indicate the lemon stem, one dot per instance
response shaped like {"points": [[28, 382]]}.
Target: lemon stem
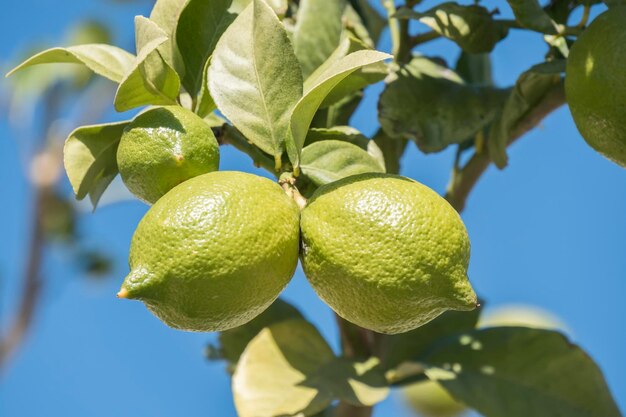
{"points": [[288, 182]]}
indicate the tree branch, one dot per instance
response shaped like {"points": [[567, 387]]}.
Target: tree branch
{"points": [[463, 181]]}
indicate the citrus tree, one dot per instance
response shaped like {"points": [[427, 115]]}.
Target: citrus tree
{"points": [[279, 81]]}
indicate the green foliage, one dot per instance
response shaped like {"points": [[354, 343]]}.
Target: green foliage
{"points": [[531, 16], [471, 27], [516, 372], [90, 158]]}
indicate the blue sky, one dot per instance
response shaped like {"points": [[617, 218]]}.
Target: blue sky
{"points": [[549, 230]]}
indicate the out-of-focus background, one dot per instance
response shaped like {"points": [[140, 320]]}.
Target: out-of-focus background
{"points": [[549, 230]]}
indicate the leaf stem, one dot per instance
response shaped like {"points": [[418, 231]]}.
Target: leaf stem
{"points": [[424, 37], [463, 181]]}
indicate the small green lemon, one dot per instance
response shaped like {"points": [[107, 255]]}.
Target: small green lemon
{"points": [[386, 252], [214, 252], [430, 399], [162, 148], [595, 84]]}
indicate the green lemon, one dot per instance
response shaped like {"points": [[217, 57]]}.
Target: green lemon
{"points": [[430, 399], [214, 252], [385, 252], [595, 84], [163, 147]]}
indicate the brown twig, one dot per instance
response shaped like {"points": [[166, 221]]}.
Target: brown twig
{"points": [[463, 182]]}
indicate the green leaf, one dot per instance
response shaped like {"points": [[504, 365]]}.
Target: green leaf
{"points": [[520, 372], [429, 103], [331, 160], [234, 341], [105, 60], [373, 21], [199, 28], [152, 80], [357, 383], [475, 68], [205, 105], [90, 160], [531, 15], [408, 347], [350, 135], [271, 377], [317, 32], [258, 90], [317, 89], [471, 27], [165, 14], [529, 90], [392, 150], [615, 3]]}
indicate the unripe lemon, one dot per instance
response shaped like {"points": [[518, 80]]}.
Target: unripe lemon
{"points": [[595, 84], [430, 399], [385, 252], [162, 148], [214, 252]]}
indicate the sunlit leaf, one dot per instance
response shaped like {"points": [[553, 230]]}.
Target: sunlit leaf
{"points": [[521, 372], [255, 78], [531, 15], [90, 160], [205, 104], [316, 91], [165, 14], [108, 61], [152, 80], [475, 68], [317, 32], [471, 27], [200, 26]]}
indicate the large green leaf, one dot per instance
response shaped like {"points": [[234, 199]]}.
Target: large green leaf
{"points": [[475, 68], [200, 26], [529, 90], [152, 80], [105, 60], [350, 135], [317, 32], [270, 379], [521, 372], [234, 341], [531, 15], [405, 348], [90, 160], [315, 92], [327, 161], [205, 104], [429, 103], [165, 14], [255, 78], [471, 27]]}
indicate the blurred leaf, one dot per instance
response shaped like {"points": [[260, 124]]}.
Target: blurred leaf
{"points": [[264, 55], [205, 104], [556, 66], [95, 264], [200, 26], [317, 32], [520, 372], [531, 15], [90, 158], [88, 31], [279, 6], [529, 90], [475, 68], [471, 27], [327, 161], [234, 341], [152, 80], [337, 114], [57, 218], [270, 379], [350, 135], [431, 104], [409, 346], [166, 14], [614, 3], [370, 19], [105, 60], [317, 89]]}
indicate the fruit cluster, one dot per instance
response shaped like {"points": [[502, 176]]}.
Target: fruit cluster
{"points": [[214, 251]]}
